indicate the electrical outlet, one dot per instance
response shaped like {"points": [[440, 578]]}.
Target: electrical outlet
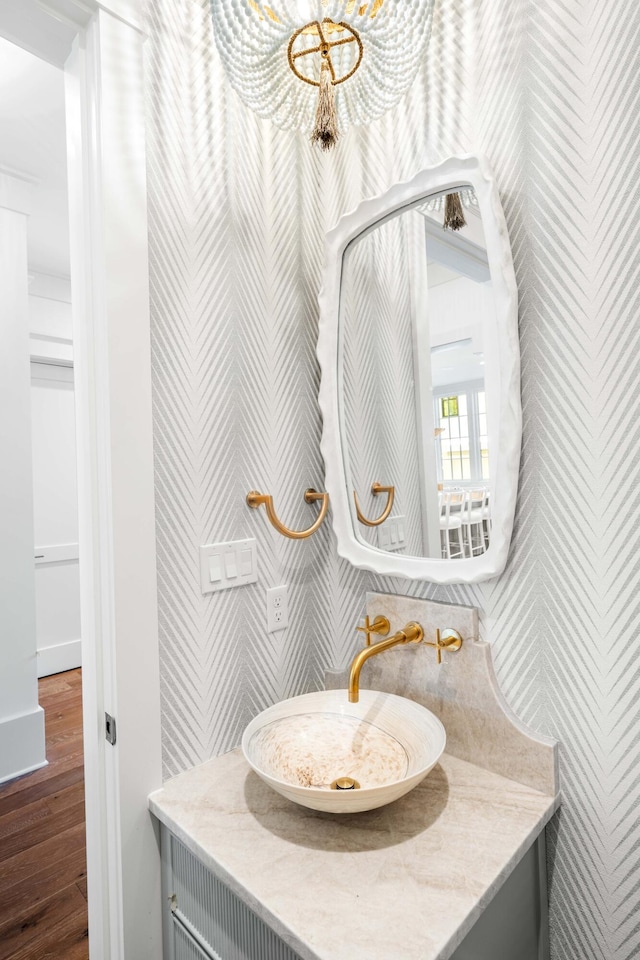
{"points": [[277, 609]]}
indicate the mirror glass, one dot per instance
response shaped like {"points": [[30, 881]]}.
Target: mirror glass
{"points": [[420, 389], [419, 412]]}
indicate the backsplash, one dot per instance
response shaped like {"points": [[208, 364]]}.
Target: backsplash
{"points": [[238, 211], [461, 690]]}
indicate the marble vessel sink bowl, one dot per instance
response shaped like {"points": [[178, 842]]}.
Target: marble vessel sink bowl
{"points": [[311, 749]]}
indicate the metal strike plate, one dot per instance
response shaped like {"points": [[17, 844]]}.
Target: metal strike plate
{"points": [[110, 729]]}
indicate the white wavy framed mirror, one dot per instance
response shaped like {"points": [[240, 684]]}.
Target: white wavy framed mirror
{"points": [[420, 388]]}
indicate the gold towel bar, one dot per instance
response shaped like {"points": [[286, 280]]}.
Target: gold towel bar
{"points": [[376, 489], [255, 500]]}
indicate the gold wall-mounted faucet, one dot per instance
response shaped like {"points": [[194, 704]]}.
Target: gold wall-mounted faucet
{"points": [[380, 626], [447, 640], [412, 632]]}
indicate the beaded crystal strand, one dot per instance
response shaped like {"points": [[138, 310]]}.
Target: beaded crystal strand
{"points": [[252, 38]]}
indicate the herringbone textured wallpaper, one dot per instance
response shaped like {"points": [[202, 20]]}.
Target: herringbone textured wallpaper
{"points": [[549, 92], [381, 428]]}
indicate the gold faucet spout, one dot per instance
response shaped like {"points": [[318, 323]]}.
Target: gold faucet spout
{"points": [[411, 633]]}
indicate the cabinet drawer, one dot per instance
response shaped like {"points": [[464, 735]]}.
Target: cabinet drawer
{"points": [[210, 916]]}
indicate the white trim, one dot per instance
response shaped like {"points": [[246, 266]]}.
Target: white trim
{"points": [[74, 12], [57, 351], [48, 28], [19, 175], [47, 286], [21, 773], [456, 253], [59, 658], [100, 46], [57, 553], [111, 335], [504, 371], [21, 744]]}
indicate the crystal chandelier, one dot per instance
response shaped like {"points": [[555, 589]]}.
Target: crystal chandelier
{"points": [[321, 66]]}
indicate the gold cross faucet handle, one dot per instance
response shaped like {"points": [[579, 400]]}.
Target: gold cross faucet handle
{"points": [[447, 640], [380, 626]]}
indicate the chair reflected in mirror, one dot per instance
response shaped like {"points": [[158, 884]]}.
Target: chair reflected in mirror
{"points": [[451, 535], [465, 522], [473, 522]]}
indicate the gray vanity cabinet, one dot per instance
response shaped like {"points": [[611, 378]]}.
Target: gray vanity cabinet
{"points": [[204, 920], [515, 923]]}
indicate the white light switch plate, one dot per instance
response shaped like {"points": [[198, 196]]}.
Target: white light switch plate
{"points": [[225, 565], [391, 534]]}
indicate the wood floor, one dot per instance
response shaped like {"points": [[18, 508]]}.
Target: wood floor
{"points": [[43, 887]]}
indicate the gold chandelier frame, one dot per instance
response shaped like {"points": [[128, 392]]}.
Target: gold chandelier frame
{"points": [[324, 48]]}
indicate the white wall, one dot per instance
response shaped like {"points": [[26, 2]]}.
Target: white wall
{"points": [[22, 745], [237, 215], [458, 310], [48, 317], [55, 487], [32, 120], [55, 518]]}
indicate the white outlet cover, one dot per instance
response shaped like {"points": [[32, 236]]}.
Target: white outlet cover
{"points": [[277, 609]]}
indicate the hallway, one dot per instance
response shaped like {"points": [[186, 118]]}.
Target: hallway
{"points": [[43, 906]]}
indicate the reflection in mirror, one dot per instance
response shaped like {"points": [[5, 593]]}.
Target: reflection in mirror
{"points": [[417, 321]]}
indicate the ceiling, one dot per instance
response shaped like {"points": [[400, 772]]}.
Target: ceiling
{"points": [[452, 255], [33, 145], [456, 363]]}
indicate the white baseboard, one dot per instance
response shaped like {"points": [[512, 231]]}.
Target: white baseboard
{"points": [[64, 656], [22, 745]]}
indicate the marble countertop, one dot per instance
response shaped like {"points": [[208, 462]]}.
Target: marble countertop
{"points": [[417, 872]]}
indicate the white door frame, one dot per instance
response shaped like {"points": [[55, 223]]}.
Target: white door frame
{"points": [[100, 46]]}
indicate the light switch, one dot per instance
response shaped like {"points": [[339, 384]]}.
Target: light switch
{"points": [[391, 535], [224, 565], [215, 571]]}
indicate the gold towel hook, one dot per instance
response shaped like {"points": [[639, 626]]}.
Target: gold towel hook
{"points": [[255, 500], [376, 489]]}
